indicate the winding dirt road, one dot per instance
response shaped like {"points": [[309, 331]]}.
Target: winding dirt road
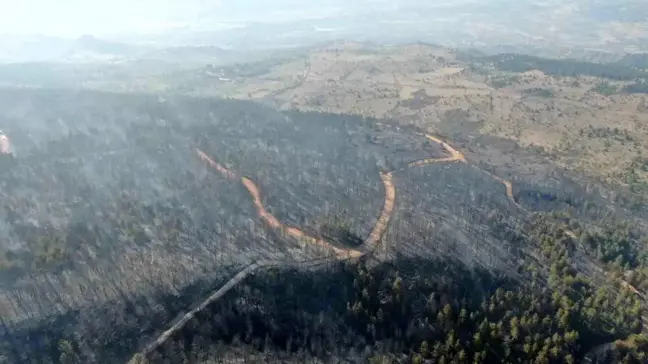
{"points": [[506, 183], [457, 156], [340, 254]]}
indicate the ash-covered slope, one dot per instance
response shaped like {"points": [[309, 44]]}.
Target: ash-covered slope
{"points": [[106, 196]]}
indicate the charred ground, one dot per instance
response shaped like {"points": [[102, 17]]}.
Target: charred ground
{"points": [[112, 227]]}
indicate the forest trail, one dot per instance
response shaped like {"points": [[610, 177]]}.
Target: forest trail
{"points": [[457, 156], [386, 214], [270, 219], [454, 154], [373, 239], [274, 223], [341, 254], [508, 184]]}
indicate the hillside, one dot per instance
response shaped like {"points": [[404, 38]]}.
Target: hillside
{"points": [[134, 207], [410, 204], [589, 119]]}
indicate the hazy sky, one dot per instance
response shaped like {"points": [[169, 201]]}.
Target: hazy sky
{"points": [[71, 18], [77, 17]]}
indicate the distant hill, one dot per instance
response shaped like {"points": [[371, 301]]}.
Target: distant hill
{"points": [[37, 48], [90, 49], [186, 54], [638, 60], [88, 45], [31, 48], [626, 69]]}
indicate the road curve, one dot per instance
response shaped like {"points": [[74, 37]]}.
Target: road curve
{"points": [[508, 184], [273, 222], [340, 254], [457, 156]]}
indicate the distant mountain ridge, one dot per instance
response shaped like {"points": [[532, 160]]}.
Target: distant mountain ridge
{"points": [[88, 43], [37, 48], [186, 54], [88, 49]]}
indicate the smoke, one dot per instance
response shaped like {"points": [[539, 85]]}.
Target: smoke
{"points": [[5, 145]]}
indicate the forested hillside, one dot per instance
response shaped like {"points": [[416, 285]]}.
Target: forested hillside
{"points": [[629, 68], [336, 237]]}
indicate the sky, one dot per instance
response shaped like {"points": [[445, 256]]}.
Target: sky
{"points": [[73, 18]]}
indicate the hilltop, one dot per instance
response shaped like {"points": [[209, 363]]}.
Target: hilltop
{"points": [[588, 119]]}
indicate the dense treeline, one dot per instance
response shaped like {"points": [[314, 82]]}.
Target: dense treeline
{"points": [[409, 310], [416, 310], [637, 88], [565, 67], [637, 60], [619, 135], [539, 92]]}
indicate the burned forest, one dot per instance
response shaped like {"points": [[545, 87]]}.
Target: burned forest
{"points": [[173, 229]]}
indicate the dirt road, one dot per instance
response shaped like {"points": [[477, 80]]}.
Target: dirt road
{"points": [[457, 156], [340, 253], [508, 184]]}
